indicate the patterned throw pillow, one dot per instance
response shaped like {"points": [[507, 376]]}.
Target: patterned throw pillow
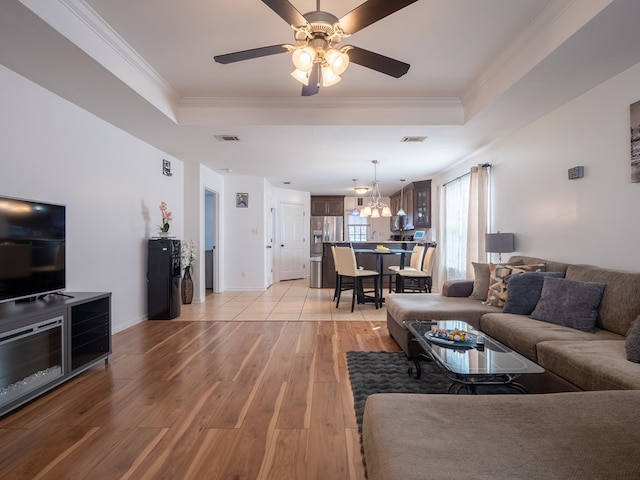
{"points": [[632, 342], [497, 295]]}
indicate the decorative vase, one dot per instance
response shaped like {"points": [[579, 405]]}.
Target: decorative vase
{"points": [[186, 287], [163, 234]]}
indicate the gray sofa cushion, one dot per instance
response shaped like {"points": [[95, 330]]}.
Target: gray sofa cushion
{"points": [[601, 365], [433, 306], [569, 302], [524, 291], [523, 333], [621, 300], [585, 435], [632, 342]]}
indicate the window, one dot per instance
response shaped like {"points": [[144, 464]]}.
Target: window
{"points": [[456, 213], [358, 228]]}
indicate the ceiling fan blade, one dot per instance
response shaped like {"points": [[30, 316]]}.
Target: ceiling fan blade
{"points": [[314, 82], [249, 54], [375, 61], [370, 12], [286, 11]]}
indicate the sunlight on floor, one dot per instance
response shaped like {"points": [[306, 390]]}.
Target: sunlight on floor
{"points": [[291, 300]]}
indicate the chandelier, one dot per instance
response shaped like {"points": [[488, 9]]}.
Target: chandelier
{"points": [[375, 208], [317, 43]]}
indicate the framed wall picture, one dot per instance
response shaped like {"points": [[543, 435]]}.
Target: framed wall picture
{"points": [[242, 200]]}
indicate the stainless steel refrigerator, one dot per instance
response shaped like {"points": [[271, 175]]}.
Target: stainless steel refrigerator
{"points": [[325, 229]]}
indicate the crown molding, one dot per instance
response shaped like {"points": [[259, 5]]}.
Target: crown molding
{"points": [[551, 28], [79, 23], [321, 111]]}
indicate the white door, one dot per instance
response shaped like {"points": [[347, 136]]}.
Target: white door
{"points": [[293, 247], [269, 222]]}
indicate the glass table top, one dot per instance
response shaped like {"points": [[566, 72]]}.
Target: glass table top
{"points": [[470, 358]]}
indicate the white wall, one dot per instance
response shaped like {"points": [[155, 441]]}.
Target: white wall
{"points": [[111, 183], [592, 220]]}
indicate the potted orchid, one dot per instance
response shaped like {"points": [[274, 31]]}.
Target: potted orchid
{"points": [[166, 218]]}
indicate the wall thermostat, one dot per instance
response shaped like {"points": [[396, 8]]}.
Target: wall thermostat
{"points": [[576, 172]]}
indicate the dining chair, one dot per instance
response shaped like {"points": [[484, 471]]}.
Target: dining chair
{"points": [[415, 263], [419, 280], [348, 270]]}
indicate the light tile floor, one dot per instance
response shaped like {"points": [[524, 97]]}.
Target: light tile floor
{"points": [[291, 300]]}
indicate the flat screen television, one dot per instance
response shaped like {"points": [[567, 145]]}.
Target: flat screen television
{"points": [[32, 248]]}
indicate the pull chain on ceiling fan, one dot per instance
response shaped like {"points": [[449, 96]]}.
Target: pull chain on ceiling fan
{"points": [[317, 56]]}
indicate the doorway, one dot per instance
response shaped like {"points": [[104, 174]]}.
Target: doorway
{"points": [[293, 250], [211, 261]]}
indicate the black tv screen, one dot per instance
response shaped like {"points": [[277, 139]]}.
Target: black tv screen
{"points": [[32, 248]]}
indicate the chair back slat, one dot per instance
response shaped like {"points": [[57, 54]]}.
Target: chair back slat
{"points": [[346, 261], [429, 260], [417, 257]]}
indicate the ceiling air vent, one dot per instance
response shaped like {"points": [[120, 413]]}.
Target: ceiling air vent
{"points": [[227, 138], [413, 139]]}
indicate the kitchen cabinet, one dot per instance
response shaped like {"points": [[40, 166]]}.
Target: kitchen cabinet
{"points": [[422, 204], [327, 205], [416, 204]]}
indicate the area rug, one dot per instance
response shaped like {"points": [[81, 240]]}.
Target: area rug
{"points": [[388, 372]]}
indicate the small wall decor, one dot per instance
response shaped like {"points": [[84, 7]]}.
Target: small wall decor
{"points": [[242, 200], [166, 168], [635, 142]]}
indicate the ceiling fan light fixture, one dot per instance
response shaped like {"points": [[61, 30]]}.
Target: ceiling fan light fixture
{"points": [[328, 77], [303, 58], [302, 77], [337, 60]]}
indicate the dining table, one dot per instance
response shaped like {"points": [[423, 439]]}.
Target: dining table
{"points": [[380, 255]]}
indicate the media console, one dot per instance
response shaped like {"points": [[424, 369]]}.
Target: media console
{"points": [[47, 341]]}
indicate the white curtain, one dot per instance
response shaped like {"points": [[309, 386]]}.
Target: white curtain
{"points": [[477, 216], [455, 221], [464, 209]]}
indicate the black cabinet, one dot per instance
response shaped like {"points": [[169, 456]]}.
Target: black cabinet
{"points": [[47, 341], [90, 332], [163, 279]]}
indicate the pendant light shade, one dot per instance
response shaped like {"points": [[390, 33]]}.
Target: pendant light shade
{"points": [[401, 212], [355, 212]]}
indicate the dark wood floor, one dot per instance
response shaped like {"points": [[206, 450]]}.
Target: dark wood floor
{"points": [[201, 400]]}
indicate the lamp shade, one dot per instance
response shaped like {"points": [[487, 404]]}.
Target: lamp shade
{"points": [[303, 58], [499, 242]]}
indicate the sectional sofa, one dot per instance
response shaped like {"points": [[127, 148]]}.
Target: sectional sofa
{"points": [[576, 329]]}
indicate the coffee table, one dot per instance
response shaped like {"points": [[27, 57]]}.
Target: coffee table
{"points": [[468, 365]]}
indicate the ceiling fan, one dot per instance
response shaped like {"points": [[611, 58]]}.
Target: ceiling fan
{"points": [[317, 56]]}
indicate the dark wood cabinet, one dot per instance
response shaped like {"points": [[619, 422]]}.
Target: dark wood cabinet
{"points": [[422, 204], [416, 203], [327, 205]]}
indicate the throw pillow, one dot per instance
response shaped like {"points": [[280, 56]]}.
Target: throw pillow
{"points": [[524, 291], [481, 277], [482, 273], [569, 302], [498, 293], [632, 342]]}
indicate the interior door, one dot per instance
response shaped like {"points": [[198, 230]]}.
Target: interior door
{"points": [[293, 247]]}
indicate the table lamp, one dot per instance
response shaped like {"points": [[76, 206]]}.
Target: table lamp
{"points": [[499, 243]]}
